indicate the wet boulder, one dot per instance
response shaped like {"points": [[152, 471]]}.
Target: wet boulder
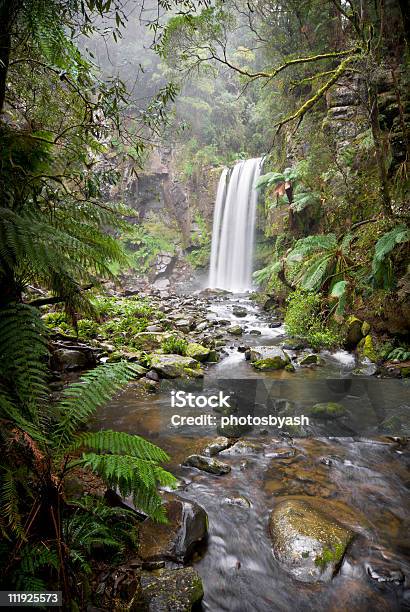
{"points": [[172, 366], [275, 353], [150, 340], [239, 311], [327, 411], [207, 464], [175, 540], [354, 332], [176, 590], [311, 359], [217, 445], [275, 359], [197, 351], [235, 330], [308, 543], [73, 358]]}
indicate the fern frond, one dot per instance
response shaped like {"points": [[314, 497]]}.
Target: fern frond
{"points": [[131, 476], [23, 351], [81, 399], [9, 508], [315, 273], [386, 244], [118, 442], [311, 244]]}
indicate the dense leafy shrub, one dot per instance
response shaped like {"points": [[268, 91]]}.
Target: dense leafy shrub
{"points": [[305, 320], [174, 346]]}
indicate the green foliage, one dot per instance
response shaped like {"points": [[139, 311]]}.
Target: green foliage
{"points": [[382, 269], [324, 261], [199, 255], [399, 354], [42, 442], [174, 345], [304, 319]]}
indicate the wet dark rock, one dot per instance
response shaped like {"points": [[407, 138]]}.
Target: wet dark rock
{"points": [[213, 356], [239, 311], [308, 543], [242, 447], [354, 332], [293, 345], [379, 573], [207, 464], [274, 324], [242, 349], [217, 445], [175, 540], [255, 332], [152, 375], [73, 358], [168, 590], [311, 359]]}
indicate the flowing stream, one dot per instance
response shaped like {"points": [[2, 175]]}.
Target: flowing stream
{"points": [[362, 481], [358, 480]]}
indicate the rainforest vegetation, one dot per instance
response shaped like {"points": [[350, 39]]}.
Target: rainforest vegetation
{"points": [[89, 91]]}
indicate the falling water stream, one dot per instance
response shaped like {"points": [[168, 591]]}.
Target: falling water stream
{"points": [[233, 227]]}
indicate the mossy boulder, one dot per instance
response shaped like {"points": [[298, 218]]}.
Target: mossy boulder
{"points": [[311, 359], [353, 332], [173, 366], [235, 330], [327, 411], [306, 541], [269, 358], [366, 348], [149, 341], [207, 464], [239, 311], [197, 351], [178, 590]]}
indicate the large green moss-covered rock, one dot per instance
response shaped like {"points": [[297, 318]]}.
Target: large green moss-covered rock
{"points": [[197, 351], [307, 542], [327, 410], [166, 590], [366, 348], [269, 358], [149, 341], [173, 366], [353, 332]]}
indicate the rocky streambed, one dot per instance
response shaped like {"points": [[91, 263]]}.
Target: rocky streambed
{"points": [[263, 519]]}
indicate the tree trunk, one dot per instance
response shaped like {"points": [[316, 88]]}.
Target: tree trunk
{"points": [[380, 152], [8, 12]]}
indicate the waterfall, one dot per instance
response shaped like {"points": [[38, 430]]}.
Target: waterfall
{"points": [[233, 227]]}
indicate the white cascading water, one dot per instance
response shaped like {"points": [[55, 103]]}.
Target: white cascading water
{"points": [[233, 227]]}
